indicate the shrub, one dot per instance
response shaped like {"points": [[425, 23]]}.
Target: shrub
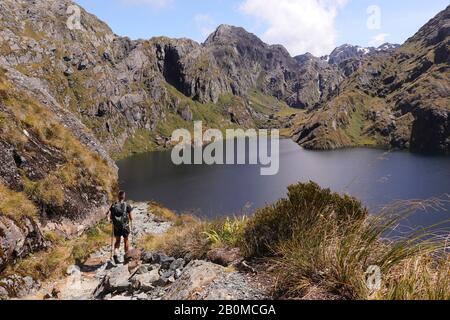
{"points": [[315, 239], [307, 204]]}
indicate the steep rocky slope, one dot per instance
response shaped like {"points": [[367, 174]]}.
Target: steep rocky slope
{"points": [[52, 161], [250, 63], [117, 87], [397, 99]]}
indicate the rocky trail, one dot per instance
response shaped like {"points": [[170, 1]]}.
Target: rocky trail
{"points": [[150, 275]]}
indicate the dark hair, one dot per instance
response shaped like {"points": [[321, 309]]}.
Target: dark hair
{"points": [[121, 195]]}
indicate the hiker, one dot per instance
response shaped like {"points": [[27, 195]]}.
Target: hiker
{"points": [[120, 215]]}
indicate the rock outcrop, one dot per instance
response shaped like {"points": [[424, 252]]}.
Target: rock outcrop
{"points": [[18, 238], [348, 52]]}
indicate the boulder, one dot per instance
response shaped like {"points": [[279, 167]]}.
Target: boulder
{"points": [[3, 293], [18, 238], [178, 273], [196, 276], [143, 269], [147, 257], [142, 296], [73, 270], [146, 281], [166, 262], [16, 286], [132, 255], [177, 264], [169, 273], [116, 282], [225, 256]]}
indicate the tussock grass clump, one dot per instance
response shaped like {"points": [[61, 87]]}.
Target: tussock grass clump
{"points": [[306, 205], [47, 190], [184, 237], [191, 235], [93, 239], [15, 204], [163, 213], [228, 232], [316, 239]]}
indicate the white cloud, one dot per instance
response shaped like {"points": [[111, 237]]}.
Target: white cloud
{"points": [[300, 25], [152, 3], [205, 24], [378, 39]]}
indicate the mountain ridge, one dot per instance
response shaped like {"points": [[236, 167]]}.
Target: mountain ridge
{"points": [[397, 99]]}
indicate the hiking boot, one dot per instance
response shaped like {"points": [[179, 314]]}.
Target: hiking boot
{"points": [[116, 259]]}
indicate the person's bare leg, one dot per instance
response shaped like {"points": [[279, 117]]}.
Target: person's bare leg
{"points": [[116, 245], [125, 244]]}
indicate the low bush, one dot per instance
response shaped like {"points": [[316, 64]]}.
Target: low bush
{"points": [[228, 232], [317, 239], [307, 205]]}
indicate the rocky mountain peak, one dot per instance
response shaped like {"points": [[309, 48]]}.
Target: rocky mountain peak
{"points": [[305, 57], [346, 52], [388, 47], [227, 35]]}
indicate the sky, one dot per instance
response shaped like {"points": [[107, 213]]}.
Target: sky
{"points": [[315, 26]]}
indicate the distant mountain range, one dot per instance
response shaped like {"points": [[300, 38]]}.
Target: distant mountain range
{"points": [[394, 98]]}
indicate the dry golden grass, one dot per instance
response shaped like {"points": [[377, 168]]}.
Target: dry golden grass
{"points": [[311, 244], [192, 235], [184, 237], [52, 263], [82, 166], [318, 240], [48, 190], [421, 277], [15, 204], [162, 213]]}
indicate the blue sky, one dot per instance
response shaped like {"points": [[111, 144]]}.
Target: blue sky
{"points": [[315, 26]]}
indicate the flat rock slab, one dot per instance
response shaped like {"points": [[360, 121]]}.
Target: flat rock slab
{"points": [[196, 276]]}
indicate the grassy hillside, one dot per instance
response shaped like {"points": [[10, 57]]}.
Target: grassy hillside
{"points": [[50, 166]]}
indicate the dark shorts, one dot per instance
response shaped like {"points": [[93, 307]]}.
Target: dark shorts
{"points": [[121, 232]]}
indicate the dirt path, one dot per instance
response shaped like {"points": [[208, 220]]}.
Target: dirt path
{"points": [[81, 282], [156, 276]]}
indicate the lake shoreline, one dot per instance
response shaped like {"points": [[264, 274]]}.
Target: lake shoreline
{"points": [[377, 177]]}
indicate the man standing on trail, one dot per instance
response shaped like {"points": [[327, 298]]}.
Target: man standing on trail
{"points": [[120, 214]]}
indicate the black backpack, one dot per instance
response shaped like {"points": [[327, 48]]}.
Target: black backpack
{"points": [[119, 215]]}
